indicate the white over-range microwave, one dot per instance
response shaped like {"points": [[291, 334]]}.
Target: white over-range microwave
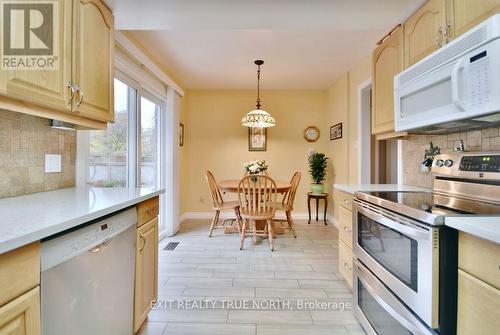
{"points": [[455, 88]]}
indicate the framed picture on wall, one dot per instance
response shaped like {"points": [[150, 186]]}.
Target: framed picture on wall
{"points": [[181, 134], [257, 139], [336, 132]]}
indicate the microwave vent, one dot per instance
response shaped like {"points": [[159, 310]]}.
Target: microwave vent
{"points": [[445, 55]]}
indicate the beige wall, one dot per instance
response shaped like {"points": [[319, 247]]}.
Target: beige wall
{"points": [[342, 106], [215, 140], [24, 141]]}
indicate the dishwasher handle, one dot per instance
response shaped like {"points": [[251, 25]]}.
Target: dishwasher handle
{"points": [[101, 246]]}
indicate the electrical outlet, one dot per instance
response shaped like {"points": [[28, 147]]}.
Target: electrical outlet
{"points": [[52, 163]]}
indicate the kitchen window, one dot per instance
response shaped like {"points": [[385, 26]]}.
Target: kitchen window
{"points": [[127, 153]]}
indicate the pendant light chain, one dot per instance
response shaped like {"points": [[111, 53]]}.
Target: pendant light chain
{"points": [[258, 87]]}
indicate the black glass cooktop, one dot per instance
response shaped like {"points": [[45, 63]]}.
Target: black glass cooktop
{"points": [[437, 204]]}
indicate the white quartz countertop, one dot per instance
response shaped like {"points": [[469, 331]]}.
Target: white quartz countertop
{"points": [[353, 188], [29, 218], [487, 227]]}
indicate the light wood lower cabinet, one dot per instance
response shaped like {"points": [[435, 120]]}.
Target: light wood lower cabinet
{"points": [[345, 262], [478, 306], [345, 226], [146, 271], [21, 316], [480, 258], [20, 271], [343, 208]]}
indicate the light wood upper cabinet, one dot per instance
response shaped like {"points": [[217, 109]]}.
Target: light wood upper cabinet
{"points": [[45, 86], [79, 89], [425, 31], [387, 62], [22, 315], [469, 13], [93, 60], [146, 271]]}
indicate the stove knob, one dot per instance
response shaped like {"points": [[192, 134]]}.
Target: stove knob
{"points": [[448, 163], [439, 163]]}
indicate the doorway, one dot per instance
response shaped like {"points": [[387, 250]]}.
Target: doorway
{"points": [[378, 161], [365, 138]]}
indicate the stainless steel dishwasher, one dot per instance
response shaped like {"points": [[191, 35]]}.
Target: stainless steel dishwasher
{"points": [[87, 280]]}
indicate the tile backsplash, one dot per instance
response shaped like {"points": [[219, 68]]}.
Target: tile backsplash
{"points": [[414, 146], [24, 141]]}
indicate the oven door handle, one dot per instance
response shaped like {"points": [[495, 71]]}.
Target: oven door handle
{"points": [[415, 327], [405, 228]]}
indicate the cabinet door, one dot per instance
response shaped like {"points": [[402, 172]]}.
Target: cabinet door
{"points": [[424, 31], [44, 85], [478, 306], [387, 62], [93, 60], [345, 262], [22, 315], [468, 13], [345, 226], [146, 271]]}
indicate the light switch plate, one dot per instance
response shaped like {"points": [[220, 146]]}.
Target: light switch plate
{"points": [[52, 163]]}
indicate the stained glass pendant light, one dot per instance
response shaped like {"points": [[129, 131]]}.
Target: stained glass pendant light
{"points": [[258, 118]]}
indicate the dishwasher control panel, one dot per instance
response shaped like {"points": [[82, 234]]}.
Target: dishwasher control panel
{"points": [[61, 248], [99, 232]]}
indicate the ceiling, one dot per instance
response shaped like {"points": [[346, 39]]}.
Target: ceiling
{"points": [[211, 44]]}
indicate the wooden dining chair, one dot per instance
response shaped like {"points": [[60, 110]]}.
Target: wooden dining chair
{"points": [[257, 198], [219, 205], [287, 204]]}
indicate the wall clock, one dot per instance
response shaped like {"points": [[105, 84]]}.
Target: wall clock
{"points": [[311, 134]]}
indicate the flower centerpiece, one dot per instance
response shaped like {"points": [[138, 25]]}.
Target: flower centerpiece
{"points": [[255, 167]]}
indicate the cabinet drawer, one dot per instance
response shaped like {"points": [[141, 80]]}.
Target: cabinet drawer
{"points": [[478, 306], [345, 262], [21, 316], [344, 199], [147, 210], [20, 271], [480, 258], [345, 226]]}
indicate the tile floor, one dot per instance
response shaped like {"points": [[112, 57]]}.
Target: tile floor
{"points": [[208, 286]]}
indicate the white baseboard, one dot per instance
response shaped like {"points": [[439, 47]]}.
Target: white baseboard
{"points": [[228, 215]]}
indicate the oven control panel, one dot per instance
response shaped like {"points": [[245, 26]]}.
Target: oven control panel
{"points": [[486, 163], [468, 165]]}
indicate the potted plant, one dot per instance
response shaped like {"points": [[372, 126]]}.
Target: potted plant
{"points": [[317, 169]]}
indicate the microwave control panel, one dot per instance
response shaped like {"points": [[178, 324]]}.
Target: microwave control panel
{"points": [[483, 163], [479, 86]]}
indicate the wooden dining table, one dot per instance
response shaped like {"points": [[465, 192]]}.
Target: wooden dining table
{"points": [[231, 186]]}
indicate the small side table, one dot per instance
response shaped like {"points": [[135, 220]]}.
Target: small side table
{"points": [[323, 196]]}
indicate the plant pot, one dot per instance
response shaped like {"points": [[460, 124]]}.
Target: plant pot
{"points": [[317, 188]]}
